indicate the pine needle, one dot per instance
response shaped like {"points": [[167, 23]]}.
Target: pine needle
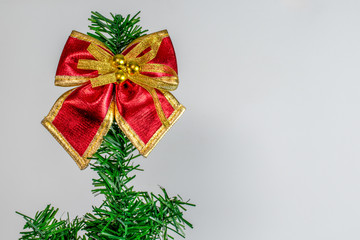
{"points": [[116, 32]]}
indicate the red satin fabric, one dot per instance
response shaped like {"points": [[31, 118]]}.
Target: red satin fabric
{"points": [[136, 106], [166, 54], [83, 111], [74, 50]]}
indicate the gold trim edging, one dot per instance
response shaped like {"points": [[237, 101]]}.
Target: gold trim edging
{"points": [[143, 148], [81, 161]]}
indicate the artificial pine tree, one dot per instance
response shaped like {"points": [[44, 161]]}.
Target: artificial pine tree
{"points": [[125, 213]]}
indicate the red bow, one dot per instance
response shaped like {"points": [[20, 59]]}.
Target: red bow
{"points": [[132, 87]]}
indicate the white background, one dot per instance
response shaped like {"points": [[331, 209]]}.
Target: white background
{"points": [[268, 148]]}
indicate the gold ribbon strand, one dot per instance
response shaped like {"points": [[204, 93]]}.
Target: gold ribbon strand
{"points": [[112, 69]]}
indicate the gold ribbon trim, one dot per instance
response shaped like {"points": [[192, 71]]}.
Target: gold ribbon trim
{"points": [[107, 72]]}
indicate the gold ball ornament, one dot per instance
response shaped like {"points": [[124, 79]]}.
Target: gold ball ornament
{"points": [[120, 76], [118, 61], [133, 67]]}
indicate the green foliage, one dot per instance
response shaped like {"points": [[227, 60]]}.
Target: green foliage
{"points": [[125, 213], [45, 226], [117, 32]]}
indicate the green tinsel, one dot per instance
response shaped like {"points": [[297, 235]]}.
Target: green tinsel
{"points": [[124, 213]]}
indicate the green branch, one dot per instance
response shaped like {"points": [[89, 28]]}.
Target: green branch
{"points": [[45, 226], [124, 213], [117, 32]]}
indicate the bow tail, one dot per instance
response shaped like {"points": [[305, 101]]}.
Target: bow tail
{"points": [[138, 117], [80, 119]]}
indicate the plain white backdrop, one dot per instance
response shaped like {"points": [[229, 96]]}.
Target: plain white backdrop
{"points": [[268, 148]]}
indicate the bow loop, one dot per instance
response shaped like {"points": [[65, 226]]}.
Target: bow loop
{"points": [[135, 63]]}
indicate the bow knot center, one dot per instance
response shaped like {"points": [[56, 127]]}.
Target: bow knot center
{"points": [[124, 67]]}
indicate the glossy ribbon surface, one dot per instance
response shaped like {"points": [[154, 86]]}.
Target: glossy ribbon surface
{"points": [[141, 105]]}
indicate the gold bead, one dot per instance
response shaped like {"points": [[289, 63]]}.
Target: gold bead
{"points": [[120, 76], [118, 61], [133, 67]]}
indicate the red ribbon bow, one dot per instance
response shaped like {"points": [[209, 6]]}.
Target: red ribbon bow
{"points": [[140, 103]]}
